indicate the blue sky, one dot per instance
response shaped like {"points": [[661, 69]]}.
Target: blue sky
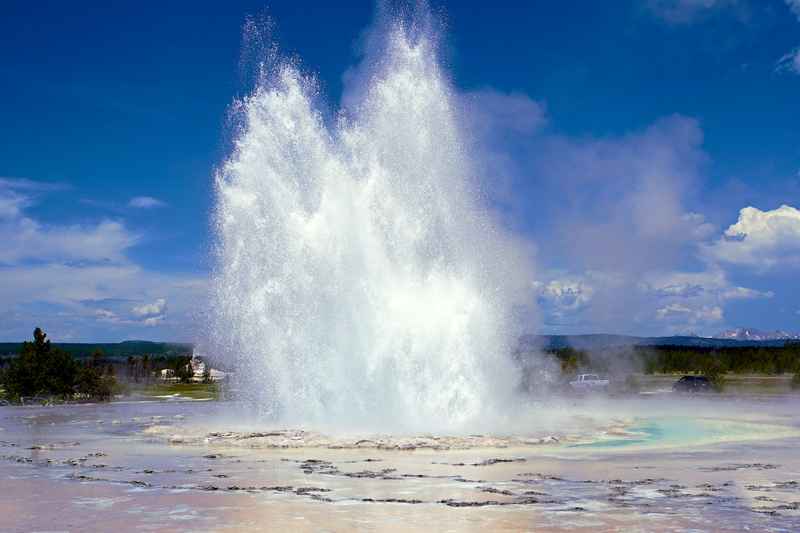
{"points": [[644, 147]]}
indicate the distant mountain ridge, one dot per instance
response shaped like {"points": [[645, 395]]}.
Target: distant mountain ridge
{"points": [[751, 334], [595, 341], [112, 350], [601, 340]]}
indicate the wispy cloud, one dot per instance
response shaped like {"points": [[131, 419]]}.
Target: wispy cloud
{"points": [[688, 11], [690, 316], [146, 202], [790, 62], [25, 184], [794, 5], [27, 239]]}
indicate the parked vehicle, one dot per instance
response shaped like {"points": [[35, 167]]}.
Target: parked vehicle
{"points": [[589, 383], [692, 384]]}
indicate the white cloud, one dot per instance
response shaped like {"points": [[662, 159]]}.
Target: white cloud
{"points": [[153, 320], [794, 5], [629, 250], [707, 286], [77, 282], [625, 230], [146, 202], [157, 307], [18, 193], [96, 301], [686, 11], [689, 316], [564, 297], [743, 293], [31, 186], [761, 239], [106, 315], [691, 300], [25, 238], [11, 204], [700, 230], [789, 62], [652, 303]]}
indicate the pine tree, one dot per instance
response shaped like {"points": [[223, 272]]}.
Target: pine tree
{"points": [[40, 370]]}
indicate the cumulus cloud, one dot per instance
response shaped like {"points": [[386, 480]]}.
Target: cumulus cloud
{"points": [[146, 202], [96, 301], [617, 220], [687, 11], [620, 208], [563, 299], [147, 314], [627, 252], [761, 239], [654, 302], [77, 282], [687, 301], [155, 308], [151, 313]]}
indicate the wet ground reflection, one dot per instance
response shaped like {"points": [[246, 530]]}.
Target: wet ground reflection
{"points": [[121, 466]]}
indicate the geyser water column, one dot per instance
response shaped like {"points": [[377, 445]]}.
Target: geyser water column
{"points": [[358, 280]]}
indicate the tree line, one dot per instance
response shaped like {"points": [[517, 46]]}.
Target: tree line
{"points": [[145, 368], [45, 371], [768, 360], [42, 370]]}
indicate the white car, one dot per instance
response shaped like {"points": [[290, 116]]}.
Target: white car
{"points": [[589, 382]]}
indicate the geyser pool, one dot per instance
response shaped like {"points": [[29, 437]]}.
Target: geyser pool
{"points": [[359, 279]]}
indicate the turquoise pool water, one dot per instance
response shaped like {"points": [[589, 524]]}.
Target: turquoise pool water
{"points": [[676, 431]]}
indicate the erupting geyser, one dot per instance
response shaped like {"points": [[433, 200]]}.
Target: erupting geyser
{"points": [[359, 281]]}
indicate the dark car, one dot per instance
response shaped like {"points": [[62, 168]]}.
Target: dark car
{"points": [[692, 384]]}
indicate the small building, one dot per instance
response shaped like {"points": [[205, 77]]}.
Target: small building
{"points": [[198, 367]]}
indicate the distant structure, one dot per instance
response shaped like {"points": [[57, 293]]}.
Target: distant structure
{"points": [[199, 369]]}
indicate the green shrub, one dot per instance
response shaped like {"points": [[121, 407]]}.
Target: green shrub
{"points": [[93, 383]]}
